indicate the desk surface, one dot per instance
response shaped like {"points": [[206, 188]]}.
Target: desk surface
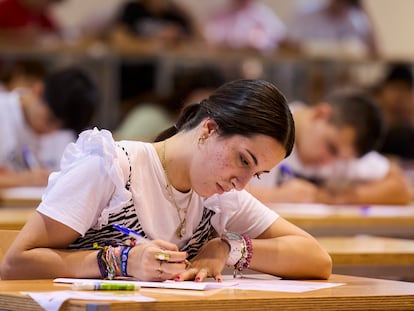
{"points": [[328, 220], [21, 196], [371, 256], [357, 293], [14, 217]]}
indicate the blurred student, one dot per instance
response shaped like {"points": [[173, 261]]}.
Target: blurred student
{"points": [[145, 121], [395, 95], [37, 122], [147, 26], [245, 24], [340, 26], [20, 74], [334, 160], [27, 20]]}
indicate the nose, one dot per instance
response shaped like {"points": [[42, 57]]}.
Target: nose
{"points": [[240, 182]]}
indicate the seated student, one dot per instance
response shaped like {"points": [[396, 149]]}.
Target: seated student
{"points": [[36, 124], [334, 157], [22, 73], [184, 194], [340, 26], [395, 96], [145, 121], [27, 21], [148, 26], [244, 24]]}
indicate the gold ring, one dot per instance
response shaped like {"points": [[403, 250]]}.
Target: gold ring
{"points": [[162, 256]]}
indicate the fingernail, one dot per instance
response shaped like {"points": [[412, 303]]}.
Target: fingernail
{"points": [[197, 279], [177, 278], [219, 280]]}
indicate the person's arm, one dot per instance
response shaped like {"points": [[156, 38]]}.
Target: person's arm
{"points": [[287, 251], [296, 190], [282, 250], [123, 40], [393, 189], [39, 251]]}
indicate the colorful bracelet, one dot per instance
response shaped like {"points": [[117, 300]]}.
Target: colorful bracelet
{"points": [[124, 260]]}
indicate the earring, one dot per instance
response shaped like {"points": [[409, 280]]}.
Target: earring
{"points": [[201, 140]]}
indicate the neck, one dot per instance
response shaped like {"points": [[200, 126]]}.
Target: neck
{"points": [[174, 166]]}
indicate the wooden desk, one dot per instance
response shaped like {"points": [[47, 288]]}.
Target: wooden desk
{"points": [[371, 256], [358, 293], [21, 196], [331, 220], [14, 217]]}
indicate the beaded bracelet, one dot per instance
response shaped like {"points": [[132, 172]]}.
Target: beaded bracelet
{"points": [[247, 253], [124, 260]]}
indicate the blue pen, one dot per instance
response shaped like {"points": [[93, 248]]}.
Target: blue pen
{"points": [[29, 158], [286, 173], [131, 233]]}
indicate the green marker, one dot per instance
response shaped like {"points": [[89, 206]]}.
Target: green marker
{"points": [[104, 286]]}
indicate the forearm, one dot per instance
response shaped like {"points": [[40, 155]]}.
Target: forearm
{"points": [[42, 263], [295, 257], [382, 192]]}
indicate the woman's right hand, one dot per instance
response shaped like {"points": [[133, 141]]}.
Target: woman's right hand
{"points": [[157, 260]]}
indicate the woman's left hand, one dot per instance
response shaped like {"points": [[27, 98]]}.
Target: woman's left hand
{"points": [[209, 262]]}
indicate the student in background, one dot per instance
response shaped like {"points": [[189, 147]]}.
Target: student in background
{"points": [[37, 122], [395, 96], [27, 20], [183, 193], [244, 24], [147, 119], [334, 159], [339, 26], [20, 74], [148, 26]]}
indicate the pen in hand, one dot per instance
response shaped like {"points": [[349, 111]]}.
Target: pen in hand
{"points": [[29, 158], [285, 173], [139, 239]]}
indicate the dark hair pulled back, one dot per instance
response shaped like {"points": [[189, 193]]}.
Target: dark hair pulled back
{"points": [[242, 107]]}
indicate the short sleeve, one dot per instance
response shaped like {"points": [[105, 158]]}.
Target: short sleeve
{"points": [[90, 184], [239, 211]]}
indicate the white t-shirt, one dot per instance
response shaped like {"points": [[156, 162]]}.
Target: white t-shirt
{"points": [[317, 25], [254, 25], [16, 137], [89, 195]]}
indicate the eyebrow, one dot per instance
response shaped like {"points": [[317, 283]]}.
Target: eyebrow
{"points": [[255, 159], [253, 156]]}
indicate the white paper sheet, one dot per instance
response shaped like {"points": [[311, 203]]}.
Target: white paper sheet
{"points": [[270, 283]]}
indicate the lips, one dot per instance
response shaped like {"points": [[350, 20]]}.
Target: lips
{"points": [[220, 189]]}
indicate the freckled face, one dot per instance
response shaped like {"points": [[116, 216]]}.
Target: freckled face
{"points": [[221, 164]]}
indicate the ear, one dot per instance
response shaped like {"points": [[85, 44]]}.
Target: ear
{"points": [[209, 127], [322, 111]]}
